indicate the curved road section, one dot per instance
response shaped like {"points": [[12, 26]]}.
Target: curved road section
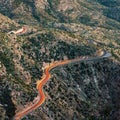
{"points": [[19, 31], [46, 76]]}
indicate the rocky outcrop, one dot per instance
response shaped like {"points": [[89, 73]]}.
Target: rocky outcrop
{"points": [[41, 4]]}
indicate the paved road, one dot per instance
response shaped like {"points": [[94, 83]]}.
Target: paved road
{"points": [[46, 76], [19, 31]]}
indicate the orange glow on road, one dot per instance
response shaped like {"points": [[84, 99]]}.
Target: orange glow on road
{"points": [[46, 76]]}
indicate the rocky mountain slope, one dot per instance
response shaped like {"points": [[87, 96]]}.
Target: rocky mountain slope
{"points": [[58, 30]]}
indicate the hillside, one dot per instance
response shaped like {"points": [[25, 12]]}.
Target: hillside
{"points": [[7, 24], [54, 31]]}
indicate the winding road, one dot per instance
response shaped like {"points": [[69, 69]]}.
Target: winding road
{"points": [[46, 76], [19, 31]]}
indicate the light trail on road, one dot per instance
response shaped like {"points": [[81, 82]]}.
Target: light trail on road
{"points": [[46, 76]]}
